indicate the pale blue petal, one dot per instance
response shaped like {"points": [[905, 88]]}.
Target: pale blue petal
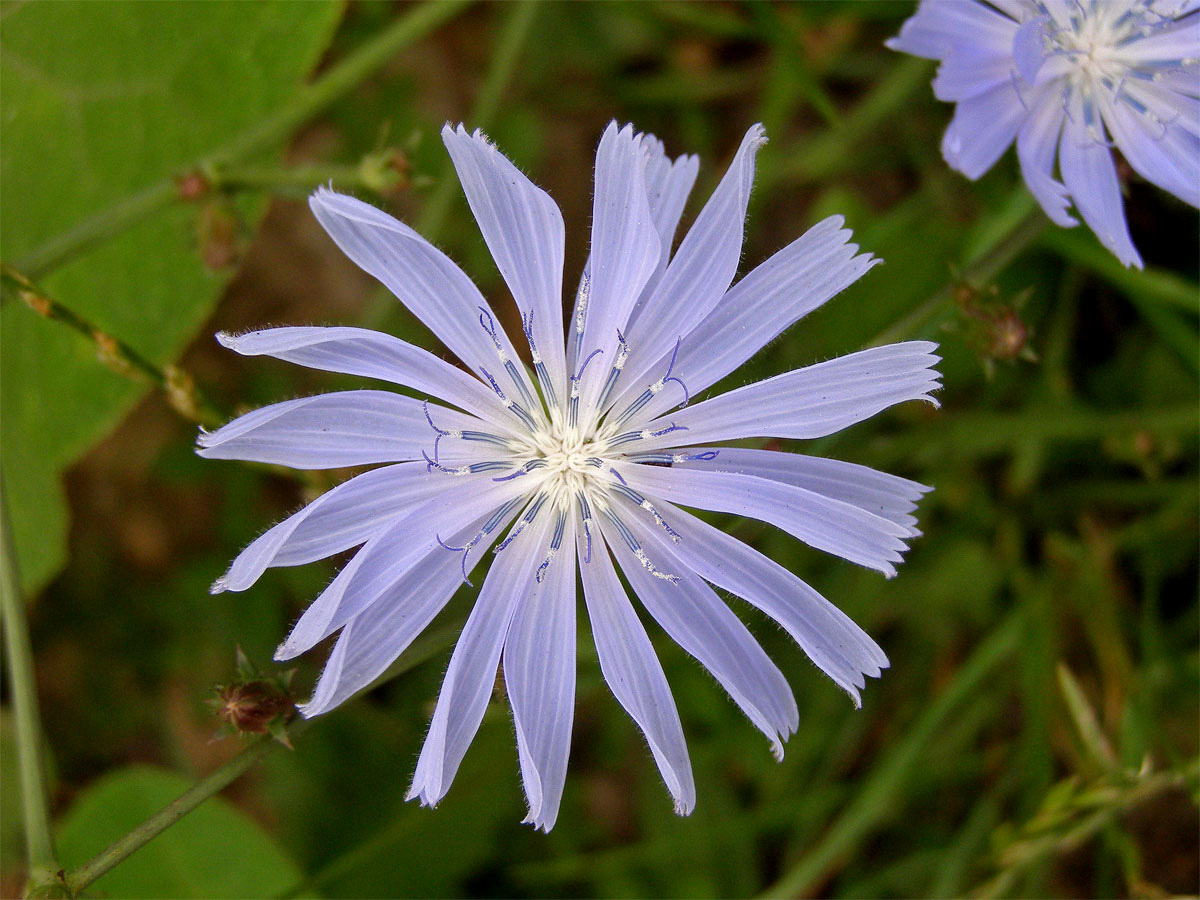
{"points": [[1029, 48], [523, 229], [625, 251], [699, 273], [1169, 157], [1091, 176], [966, 72], [329, 431], [373, 354], [371, 641], [539, 678], [772, 297], [880, 493], [841, 649], [668, 183], [1037, 148], [412, 541], [833, 526], [425, 280], [1177, 41], [982, 129], [939, 25], [339, 519], [633, 672], [471, 675], [810, 402], [695, 617]]}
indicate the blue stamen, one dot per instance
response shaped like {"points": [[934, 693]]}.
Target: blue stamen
{"points": [[573, 403]]}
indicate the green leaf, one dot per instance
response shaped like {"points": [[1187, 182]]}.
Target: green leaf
{"points": [[214, 851], [102, 100]]}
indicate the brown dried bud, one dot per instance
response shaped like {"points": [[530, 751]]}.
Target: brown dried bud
{"points": [[251, 707], [181, 392]]}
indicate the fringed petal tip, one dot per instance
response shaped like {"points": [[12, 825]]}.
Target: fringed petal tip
{"points": [[238, 341], [287, 651], [682, 807], [534, 818], [420, 793], [219, 586]]}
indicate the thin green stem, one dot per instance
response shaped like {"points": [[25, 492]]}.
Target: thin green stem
{"points": [[177, 384], [989, 263], [256, 748], [78, 879], [876, 799], [301, 180], [509, 45], [40, 856], [307, 103]]}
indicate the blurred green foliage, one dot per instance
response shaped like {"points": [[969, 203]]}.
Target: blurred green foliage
{"points": [[1062, 537]]}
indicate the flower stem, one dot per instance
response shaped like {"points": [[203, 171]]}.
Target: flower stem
{"points": [[256, 748], [40, 857], [78, 879], [310, 100]]}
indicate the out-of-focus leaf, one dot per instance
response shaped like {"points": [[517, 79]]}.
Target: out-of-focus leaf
{"points": [[101, 100], [215, 851]]}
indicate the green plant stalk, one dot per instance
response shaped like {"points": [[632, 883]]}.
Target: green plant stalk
{"points": [[39, 846], [508, 50], [310, 100], [875, 800], [177, 384], [256, 748], [78, 879], [1152, 285], [1105, 802]]}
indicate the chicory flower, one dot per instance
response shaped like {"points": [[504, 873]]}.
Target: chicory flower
{"points": [[575, 464]]}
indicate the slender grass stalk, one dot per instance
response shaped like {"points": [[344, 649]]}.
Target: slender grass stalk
{"points": [[309, 101], [39, 846], [828, 152], [876, 798]]}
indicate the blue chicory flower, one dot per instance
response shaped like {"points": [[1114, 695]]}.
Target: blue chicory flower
{"points": [[1070, 79], [582, 459]]}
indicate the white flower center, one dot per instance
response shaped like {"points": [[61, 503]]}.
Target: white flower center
{"points": [[573, 462]]}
